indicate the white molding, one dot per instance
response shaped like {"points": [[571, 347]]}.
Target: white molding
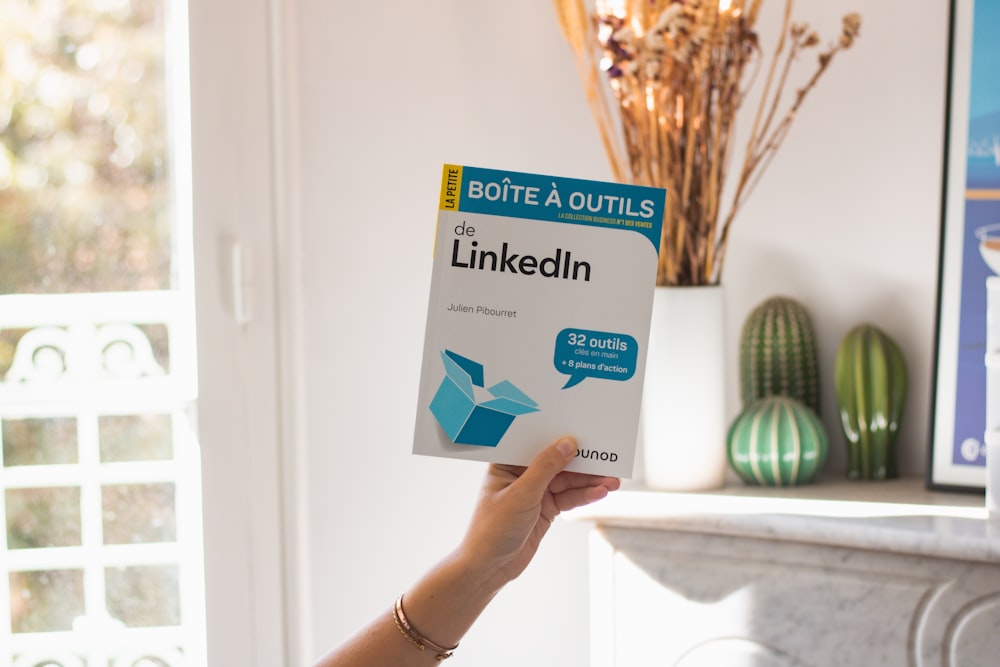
{"points": [[291, 347], [242, 411]]}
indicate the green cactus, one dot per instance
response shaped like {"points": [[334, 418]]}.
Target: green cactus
{"points": [[777, 441], [778, 354], [871, 383]]}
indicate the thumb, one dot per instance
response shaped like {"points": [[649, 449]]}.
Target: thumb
{"points": [[546, 465]]}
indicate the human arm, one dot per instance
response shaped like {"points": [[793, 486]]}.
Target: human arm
{"points": [[516, 506]]}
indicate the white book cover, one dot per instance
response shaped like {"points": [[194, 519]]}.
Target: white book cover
{"points": [[538, 318]]}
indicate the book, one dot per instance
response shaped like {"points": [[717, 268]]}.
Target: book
{"points": [[538, 318]]}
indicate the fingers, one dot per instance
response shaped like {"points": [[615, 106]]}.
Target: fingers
{"points": [[571, 480], [547, 474], [513, 471], [547, 464], [578, 497]]}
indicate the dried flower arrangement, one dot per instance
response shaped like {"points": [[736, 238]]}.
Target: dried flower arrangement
{"points": [[675, 70]]}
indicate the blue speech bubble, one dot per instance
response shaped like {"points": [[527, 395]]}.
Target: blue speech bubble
{"points": [[582, 354]]}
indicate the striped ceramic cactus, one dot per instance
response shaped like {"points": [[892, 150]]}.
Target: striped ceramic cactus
{"points": [[777, 441], [871, 383], [778, 354]]}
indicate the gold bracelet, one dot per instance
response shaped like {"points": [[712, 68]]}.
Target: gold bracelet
{"points": [[414, 636]]}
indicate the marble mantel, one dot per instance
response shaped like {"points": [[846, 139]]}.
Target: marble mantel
{"points": [[828, 575]]}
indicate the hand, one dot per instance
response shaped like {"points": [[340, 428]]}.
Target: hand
{"points": [[514, 511], [517, 505]]}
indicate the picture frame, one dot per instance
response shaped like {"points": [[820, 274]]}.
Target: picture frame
{"points": [[970, 225]]}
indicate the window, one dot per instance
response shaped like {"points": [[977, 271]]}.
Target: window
{"points": [[100, 481]]}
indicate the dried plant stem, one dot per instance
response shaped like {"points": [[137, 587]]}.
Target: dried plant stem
{"points": [[674, 72], [759, 130], [762, 148], [575, 25]]}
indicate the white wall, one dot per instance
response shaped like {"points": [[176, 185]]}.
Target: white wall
{"points": [[846, 220]]}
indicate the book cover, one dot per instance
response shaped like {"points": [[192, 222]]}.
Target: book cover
{"points": [[538, 318]]}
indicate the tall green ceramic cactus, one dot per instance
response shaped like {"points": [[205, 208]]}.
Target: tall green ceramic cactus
{"points": [[777, 441], [778, 354], [871, 383]]}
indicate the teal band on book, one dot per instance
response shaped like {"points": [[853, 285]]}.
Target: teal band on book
{"points": [[558, 199]]}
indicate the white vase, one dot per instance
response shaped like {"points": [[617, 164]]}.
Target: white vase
{"points": [[684, 399]]}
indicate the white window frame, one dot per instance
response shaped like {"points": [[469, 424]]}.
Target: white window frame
{"points": [[243, 139]]}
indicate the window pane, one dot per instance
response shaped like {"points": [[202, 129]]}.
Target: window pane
{"points": [[8, 342], [136, 437], [143, 596], [45, 601], [84, 188], [159, 342], [39, 441], [38, 518], [138, 513]]}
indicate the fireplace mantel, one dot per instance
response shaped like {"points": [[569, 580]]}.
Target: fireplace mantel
{"points": [[827, 575]]}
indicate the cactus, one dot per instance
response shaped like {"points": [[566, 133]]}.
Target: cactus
{"points": [[777, 441], [871, 383], [778, 354]]}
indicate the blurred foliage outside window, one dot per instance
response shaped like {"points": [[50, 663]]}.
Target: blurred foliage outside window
{"points": [[85, 197]]}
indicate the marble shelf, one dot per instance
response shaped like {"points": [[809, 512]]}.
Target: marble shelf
{"points": [[832, 574], [899, 516]]}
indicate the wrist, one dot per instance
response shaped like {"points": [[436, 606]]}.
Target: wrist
{"points": [[483, 572], [444, 603]]}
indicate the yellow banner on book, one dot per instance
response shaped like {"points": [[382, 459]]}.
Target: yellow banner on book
{"points": [[451, 187]]}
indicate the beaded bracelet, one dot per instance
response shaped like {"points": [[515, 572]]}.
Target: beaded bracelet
{"points": [[414, 636]]}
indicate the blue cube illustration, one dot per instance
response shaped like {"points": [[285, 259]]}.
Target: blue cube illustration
{"points": [[466, 421]]}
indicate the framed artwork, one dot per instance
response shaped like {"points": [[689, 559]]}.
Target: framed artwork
{"points": [[970, 249]]}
